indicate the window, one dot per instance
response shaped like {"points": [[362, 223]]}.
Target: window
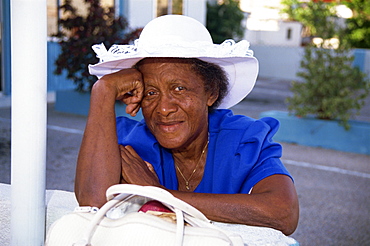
{"points": [[165, 7], [54, 14], [289, 33]]}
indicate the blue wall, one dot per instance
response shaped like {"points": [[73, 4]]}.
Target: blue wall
{"points": [[56, 82]]}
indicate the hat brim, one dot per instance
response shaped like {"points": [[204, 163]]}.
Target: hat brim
{"points": [[241, 71]]}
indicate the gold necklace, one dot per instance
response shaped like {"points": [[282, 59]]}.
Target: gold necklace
{"points": [[195, 169]]}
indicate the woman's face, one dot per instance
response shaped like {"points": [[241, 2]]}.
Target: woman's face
{"points": [[175, 103]]}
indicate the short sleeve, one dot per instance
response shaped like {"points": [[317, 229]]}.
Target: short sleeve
{"points": [[257, 147]]}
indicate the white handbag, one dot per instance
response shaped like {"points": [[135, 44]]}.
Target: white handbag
{"points": [[119, 223]]}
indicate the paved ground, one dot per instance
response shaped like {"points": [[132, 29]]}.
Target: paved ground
{"points": [[333, 186]]}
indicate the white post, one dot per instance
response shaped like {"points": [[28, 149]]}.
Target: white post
{"points": [[28, 145]]}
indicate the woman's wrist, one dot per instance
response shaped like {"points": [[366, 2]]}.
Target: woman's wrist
{"points": [[103, 92]]}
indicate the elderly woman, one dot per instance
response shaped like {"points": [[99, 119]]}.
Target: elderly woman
{"points": [[226, 166]]}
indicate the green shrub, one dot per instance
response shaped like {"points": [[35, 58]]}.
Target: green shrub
{"points": [[224, 21], [331, 88]]}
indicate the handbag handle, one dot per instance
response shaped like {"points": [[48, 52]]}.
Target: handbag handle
{"points": [[122, 192], [158, 194]]}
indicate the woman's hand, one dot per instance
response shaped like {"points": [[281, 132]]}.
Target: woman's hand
{"points": [[127, 86], [135, 170]]}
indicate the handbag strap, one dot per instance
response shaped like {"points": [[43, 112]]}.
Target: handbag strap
{"points": [[97, 218], [158, 194], [122, 192]]}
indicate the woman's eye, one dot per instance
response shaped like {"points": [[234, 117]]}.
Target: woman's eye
{"points": [[179, 88], [150, 93]]}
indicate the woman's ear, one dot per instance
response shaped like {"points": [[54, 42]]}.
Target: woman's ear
{"points": [[212, 99]]}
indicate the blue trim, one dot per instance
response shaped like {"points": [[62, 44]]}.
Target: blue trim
{"points": [[328, 134], [359, 61], [6, 44]]}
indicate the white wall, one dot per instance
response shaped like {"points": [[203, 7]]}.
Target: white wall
{"points": [[278, 61], [278, 37], [140, 12], [196, 9]]}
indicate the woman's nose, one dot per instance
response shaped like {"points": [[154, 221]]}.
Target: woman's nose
{"points": [[166, 105]]}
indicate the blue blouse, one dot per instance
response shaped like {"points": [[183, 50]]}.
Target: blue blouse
{"points": [[241, 152]]}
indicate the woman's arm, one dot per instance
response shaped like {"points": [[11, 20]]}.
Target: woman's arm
{"points": [[272, 203], [99, 162]]}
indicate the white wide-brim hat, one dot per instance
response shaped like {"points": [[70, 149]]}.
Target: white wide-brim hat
{"points": [[184, 37]]}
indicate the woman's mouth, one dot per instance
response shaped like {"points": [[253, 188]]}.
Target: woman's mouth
{"points": [[171, 126]]}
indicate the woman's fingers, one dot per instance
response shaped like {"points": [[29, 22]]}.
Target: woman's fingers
{"points": [[135, 170], [127, 83], [132, 109], [128, 87], [126, 154], [150, 167]]}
